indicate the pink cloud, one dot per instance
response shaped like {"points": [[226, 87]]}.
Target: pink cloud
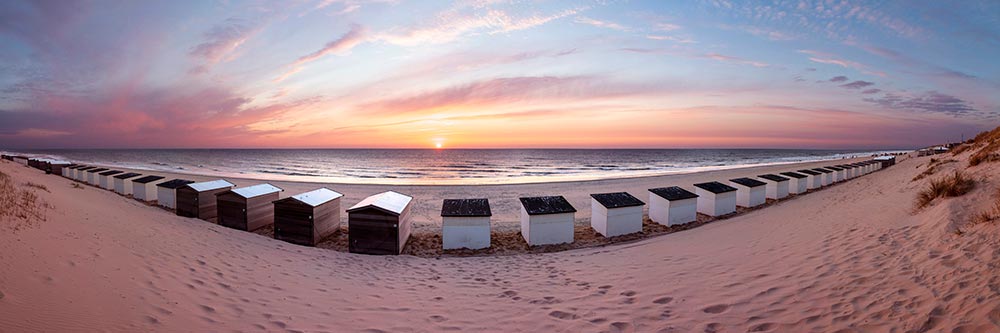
{"points": [[340, 45]]}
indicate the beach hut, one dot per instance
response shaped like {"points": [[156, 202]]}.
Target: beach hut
{"points": [[547, 220], [92, 176], [749, 192], [166, 192], [56, 166], [465, 223], [123, 182], [247, 208], [777, 186], [672, 205], [71, 171], [815, 178], [64, 171], [838, 173], [144, 188], [197, 200], [615, 214], [379, 224], [828, 175], [106, 180], [848, 171], [715, 198], [797, 183], [81, 173], [307, 218], [20, 159]]}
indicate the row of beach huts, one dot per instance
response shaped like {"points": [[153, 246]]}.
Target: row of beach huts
{"points": [[381, 223]]}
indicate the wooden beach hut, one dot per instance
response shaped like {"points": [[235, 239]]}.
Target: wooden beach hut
{"points": [[144, 188], [465, 223], [749, 192], [197, 200], [672, 205], [107, 180], [123, 182], [848, 171], [839, 174], [71, 171], [797, 183], [92, 176], [56, 166], [815, 179], [379, 224], [64, 171], [615, 214], [20, 159], [166, 192], [307, 218], [715, 198], [777, 186], [547, 220], [247, 208], [828, 175], [81, 173]]}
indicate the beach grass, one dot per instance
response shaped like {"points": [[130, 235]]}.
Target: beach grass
{"points": [[953, 185]]}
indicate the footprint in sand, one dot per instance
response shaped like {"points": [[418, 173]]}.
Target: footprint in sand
{"points": [[437, 318], [718, 308], [619, 327], [562, 315], [765, 327], [663, 300], [712, 327]]}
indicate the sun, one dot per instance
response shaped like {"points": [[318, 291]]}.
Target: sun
{"points": [[438, 145]]}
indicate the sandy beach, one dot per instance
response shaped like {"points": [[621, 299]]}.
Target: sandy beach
{"points": [[856, 257]]}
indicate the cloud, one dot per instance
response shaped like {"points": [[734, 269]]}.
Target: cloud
{"points": [[458, 22], [826, 58], [600, 24], [726, 58], [223, 40], [931, 101], [340, 45], [682, 40], [662, 26], [693, 55], [857, 84], [871, 91], [925, 68], [838, 79]]}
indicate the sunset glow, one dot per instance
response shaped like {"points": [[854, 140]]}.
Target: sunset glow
{"points": [[496, 74]]}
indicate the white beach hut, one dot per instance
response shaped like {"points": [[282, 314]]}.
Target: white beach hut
{"points": [[838, 173], [145, 188], [715, 198], [465, 223], [166, 192], [106, 180], [547, 220], [93, 176], [815, 178], [749, 192], [615, 214], [828, 175], [777, 186], [66, 170], [123, 182], [797, 183], [672, 205], [81, 173]]}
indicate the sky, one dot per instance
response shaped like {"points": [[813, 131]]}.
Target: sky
{"points": [[497, 74]]}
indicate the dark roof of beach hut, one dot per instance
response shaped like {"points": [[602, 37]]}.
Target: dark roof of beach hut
{"points": [[147, 179], [794, 175], [617, 200], [110, 172], [128, 175], [547, 205], [466, 207], [810, 172], [834, 168], [715, 187], [823, 170], [748, 182], [174, 184], [98, 170], [86, 168], [673, 193], [773, 177]]}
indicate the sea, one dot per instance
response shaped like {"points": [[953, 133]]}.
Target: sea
{"points": [[440, 166]]}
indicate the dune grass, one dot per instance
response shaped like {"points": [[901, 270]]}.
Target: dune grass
{"points": [[989, 147], [954, 185], [22, 206], [991, 215]]}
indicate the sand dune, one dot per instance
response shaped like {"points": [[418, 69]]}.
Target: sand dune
{"points": [[854, 258]]}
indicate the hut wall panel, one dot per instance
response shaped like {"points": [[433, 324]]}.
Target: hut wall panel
{"points": [[260, 211], [292, 224], [165, 197], [326, 219], [547, 229], [371, 231], [471, 232], [186, 203], [207, 205], [231, 211]]}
